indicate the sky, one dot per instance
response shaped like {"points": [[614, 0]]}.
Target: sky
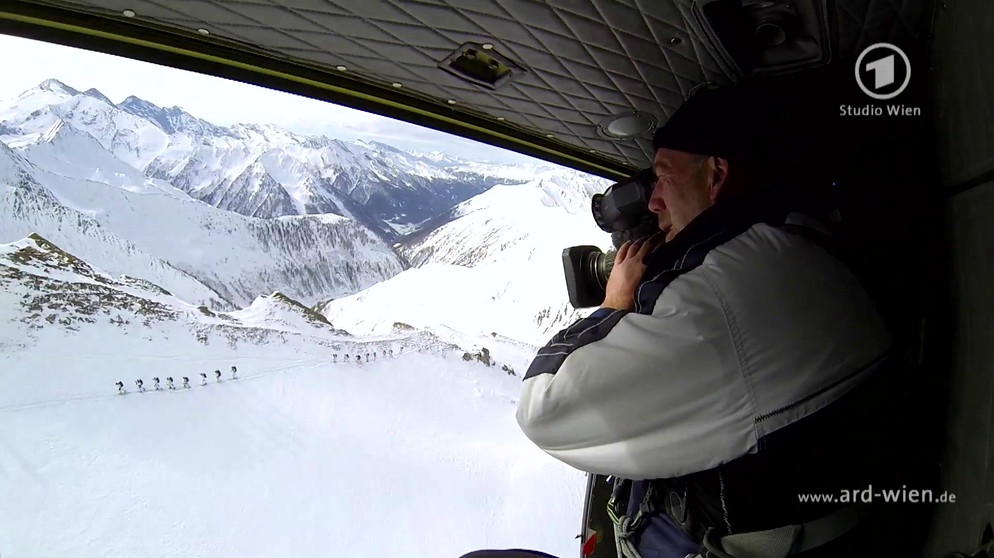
{"points": [[221, 101]]}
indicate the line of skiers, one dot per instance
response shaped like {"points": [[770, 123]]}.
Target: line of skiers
{"points": [[169, 381], [234, 374], [358, 358]]}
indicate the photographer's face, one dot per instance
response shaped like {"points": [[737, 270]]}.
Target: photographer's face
{"points": [[665, 224], [683, 189]]}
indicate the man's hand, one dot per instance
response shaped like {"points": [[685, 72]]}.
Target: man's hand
{"points": [[627, 272]]}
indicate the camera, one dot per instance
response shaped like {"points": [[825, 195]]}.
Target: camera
{"points": [[623, 211]]}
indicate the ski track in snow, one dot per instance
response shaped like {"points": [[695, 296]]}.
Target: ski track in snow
{"points": [[242, 377]]}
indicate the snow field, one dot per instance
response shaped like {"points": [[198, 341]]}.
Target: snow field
{"points": [[416, 455]]}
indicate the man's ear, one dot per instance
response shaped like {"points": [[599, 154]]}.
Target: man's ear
{"points": [[719, 177]]}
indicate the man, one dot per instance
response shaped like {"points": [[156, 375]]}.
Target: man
{"points": [[730, 370]]}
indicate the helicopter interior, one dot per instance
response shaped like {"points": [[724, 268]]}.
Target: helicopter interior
{"points": [[908, 166]]}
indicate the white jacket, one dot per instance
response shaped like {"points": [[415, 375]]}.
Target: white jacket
{"points": [[765, 330]]}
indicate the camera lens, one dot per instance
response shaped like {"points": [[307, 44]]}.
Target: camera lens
{"points": [[599, 267]]}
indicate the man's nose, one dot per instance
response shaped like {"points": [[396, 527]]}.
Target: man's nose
{"points": [[656, 204]]}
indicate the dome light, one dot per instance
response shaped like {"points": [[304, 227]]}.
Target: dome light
{"points": [[627, 125]]}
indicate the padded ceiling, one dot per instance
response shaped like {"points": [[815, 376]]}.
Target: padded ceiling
{"points": [[584, 61]]}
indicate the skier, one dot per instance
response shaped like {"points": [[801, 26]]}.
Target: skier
{"points": [[169, 381], [374, 355], [140, 384], [335, 356], [156, 380], [346, 356], [120, 387], [186, 382], [203, 376], [234, 373], [358, 358], [217, 375]]}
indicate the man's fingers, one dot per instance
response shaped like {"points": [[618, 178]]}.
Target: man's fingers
{"points": [[622, 252], [639, 247], [634, 247], [650, 244]]}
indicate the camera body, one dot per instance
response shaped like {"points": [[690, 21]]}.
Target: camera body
{"points": [[623, 211]]}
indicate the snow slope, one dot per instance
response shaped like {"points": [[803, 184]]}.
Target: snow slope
{"points": [[278, 311], [382, 426], [131, 139], [237, 258], [26, 207], [416, 454], [494, 265]]}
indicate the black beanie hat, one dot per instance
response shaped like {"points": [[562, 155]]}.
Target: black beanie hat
{"points": [[719, 122]]}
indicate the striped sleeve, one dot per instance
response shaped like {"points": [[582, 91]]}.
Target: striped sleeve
{"points": [[592, 328], [642, 395]]}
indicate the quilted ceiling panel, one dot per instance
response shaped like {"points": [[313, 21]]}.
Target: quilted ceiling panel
{"points": [[585, 61]]}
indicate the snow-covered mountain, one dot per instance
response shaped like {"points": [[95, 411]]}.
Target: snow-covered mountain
{"points": [[491, 265], [139, 241], [305, 449], [255, 170], [47, 287], [141, 227], [133, 167], [46, 291], [508, 223], [26, 206]]}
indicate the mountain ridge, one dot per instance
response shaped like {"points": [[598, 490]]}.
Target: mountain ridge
{"points": [[409, 209], [204, 254], [234, 167]]}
